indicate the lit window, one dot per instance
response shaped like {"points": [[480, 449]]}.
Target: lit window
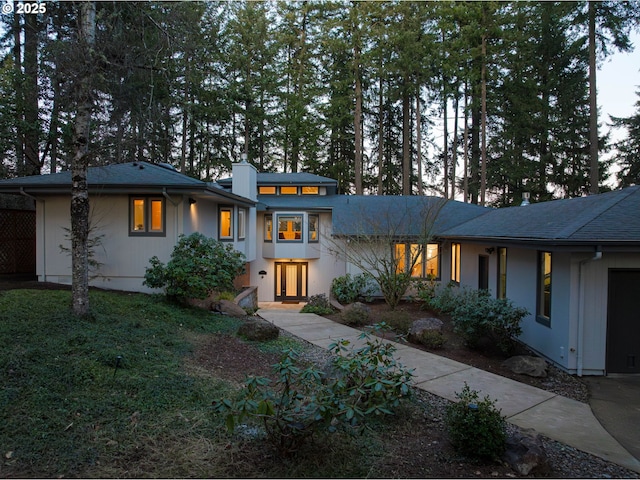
{"points": [[267, 190], [455, 262], [411, 258], [226, 223], [313, 228], [268, 228], [147, 216], [544, 288], [502, 272], [288, 190], [290, 228], [242, 215], [310, 190]]}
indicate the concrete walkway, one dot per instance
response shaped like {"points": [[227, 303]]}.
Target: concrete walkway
{"points": [[554, 416]]}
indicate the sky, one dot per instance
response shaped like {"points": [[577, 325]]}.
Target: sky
{"points": [[618, 80]]}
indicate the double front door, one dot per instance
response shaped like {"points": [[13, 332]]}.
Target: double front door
{"points": [[291, 281]]}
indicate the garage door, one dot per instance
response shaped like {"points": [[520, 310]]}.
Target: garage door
{"points": [[623, 321]]}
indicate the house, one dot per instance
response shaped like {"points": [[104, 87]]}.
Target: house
{"points": [[574, 263]]}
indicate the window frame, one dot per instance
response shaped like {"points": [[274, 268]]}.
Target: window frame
{"points": [[284, 188], [310, 190], [242, 223], [268, 222], [293, 216], [501, 284], [316, 231], [225, 238], [408, 247], [544, 301], [148, 214], [456, 260]]}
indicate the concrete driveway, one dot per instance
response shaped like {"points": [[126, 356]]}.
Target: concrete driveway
{"points": [[615, 401]]}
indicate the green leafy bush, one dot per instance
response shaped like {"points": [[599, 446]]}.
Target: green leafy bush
{"points": [[432, 339], [348, 289], [399, 321], [364, 382], [476, 428], [355, 315], [198, 266], [318, 304], [477, 316]]}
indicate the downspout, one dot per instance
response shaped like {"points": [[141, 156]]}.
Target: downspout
{"points": [[44, 235], [175, 204], [597, 256]]}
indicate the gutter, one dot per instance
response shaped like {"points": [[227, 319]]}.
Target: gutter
{"points": [[596, 256]]}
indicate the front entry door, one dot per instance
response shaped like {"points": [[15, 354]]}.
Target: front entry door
{"points": [[623, 322], [291, 281]]}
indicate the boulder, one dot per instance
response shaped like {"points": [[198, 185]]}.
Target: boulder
{"points": [[355, 314], [227, 307], [257, 329], [423, 324], [525, 453], [527, 365]]}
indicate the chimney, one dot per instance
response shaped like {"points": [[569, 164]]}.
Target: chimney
{"points": [[244, 180], [525, 199]]}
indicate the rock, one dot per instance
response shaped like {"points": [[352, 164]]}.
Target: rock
{"points": [[227, 307], [525, 453], [421, 325], [527, 365], [355, 314], [204, 303], [257, 329]]}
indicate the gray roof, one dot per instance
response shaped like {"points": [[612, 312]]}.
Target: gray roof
{"points": [[612, 217], [299, 178], [134, 177], [379, 214]]}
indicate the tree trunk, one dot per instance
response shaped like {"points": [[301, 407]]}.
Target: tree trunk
{"points": [[419, 143], [483, 86], [380, 137], [80, 163], [454, 152], [358, 120], [406, 140], [465, 154], [18, 87], [31, 97], [593, 104], [445, 144]]}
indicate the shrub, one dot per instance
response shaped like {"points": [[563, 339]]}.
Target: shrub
{"points": [[399, 321], [477, 315], [443, 300], [433, 339], [318, 304], [198, 266], [476, 428], [368, 382], [355, 315], [348, 289]]}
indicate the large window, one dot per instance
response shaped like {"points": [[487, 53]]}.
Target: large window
{"points": [[290, 228], [502, 273], [418, 260], [455, 262], [288, 190], [268, 227], [313, 228], [226, 223], [147, 216], [543, 314], [267, 190], [310, 190]]}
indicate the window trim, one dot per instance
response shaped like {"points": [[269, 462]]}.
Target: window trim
{"points": [[317, 230], [148, 202], [456, 260], [222, 238], [268, 220], [242, 223], [425, 261], [290, 215], [541, 299], [501, 284]]}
